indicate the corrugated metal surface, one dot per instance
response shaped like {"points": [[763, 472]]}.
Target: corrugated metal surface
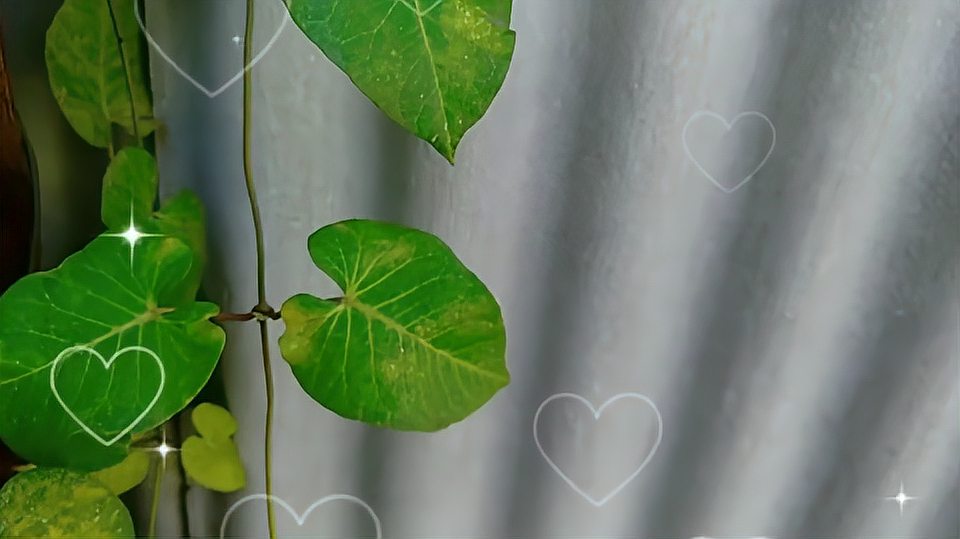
{"points": [[799, 335]]}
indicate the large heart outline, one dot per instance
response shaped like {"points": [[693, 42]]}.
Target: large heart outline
{"points": [[232, 80], [300, 518], [106, 365], [597, 412], [728, 126]]}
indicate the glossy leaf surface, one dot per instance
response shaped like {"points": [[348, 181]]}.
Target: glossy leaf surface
{"points": [[416, 342], [146, 347], [95, 64], [57, 503], [434, 66]]}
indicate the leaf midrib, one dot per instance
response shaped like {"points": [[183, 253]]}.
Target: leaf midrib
{"points": [[145, 318], [436, 78], [371, 312]]}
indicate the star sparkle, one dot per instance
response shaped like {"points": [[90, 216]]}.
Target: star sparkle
{"points": [[132, 235], [163, 449], [901, 498]]}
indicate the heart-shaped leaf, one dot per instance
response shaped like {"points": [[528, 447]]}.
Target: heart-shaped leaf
{"points": [[96, 65], [129, 473], [95, 299], [212, 459], [433, 66], [417, 341], [49, 502], [111, 343]]}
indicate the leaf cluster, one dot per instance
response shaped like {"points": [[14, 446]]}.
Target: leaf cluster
{"points": [[98, 354]]}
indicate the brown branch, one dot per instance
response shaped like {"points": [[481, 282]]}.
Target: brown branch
{"points": [[255, 314], [17, 218]]}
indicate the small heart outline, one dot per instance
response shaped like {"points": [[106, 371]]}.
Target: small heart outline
{"points": [[728, 126], [198, 85], [597, 412], [300, 518], [106, 365]]}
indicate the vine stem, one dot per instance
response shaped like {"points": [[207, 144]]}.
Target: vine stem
{"points": [[262, 306], [158, 470], [127, 75]]}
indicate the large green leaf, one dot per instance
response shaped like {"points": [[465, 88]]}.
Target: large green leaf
{"points": [[60, 503], [95, 299], [433, 66], [92, 76], [415, 343], [148, 348], [212, 459]]}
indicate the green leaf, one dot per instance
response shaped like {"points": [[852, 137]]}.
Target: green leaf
{"points": [[434, 66], [61, 503], [91, 76], [97, 300], [416, 342], [212, 459], [183, 217], [122, 477], [129, 191]]}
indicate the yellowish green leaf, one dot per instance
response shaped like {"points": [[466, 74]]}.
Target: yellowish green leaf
{"points": [[129, 473], [212, 458]]}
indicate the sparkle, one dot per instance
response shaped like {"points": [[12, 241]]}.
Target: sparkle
{"points": [[236, 39], [901, 498], [163, 449], [132, 235]]}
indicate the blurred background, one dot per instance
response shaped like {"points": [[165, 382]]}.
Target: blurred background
{"points": [[746, 212]]}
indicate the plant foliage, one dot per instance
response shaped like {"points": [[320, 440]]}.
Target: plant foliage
{"points": [[113, 343]]}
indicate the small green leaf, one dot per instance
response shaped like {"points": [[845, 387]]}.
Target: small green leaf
{"points": [[90, 72], [212, 459], [433, 66], [49, 502], [416, 343], [129, 191], [122, 477], [183, 217]]}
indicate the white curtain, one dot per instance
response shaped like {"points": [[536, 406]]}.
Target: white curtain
{"points": [[745, 211]]}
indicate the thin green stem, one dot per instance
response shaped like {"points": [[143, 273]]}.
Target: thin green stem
{"points": [[126, 72], [248, 160], [268, 428], [158, 470], [262, 305], [182, 477]]}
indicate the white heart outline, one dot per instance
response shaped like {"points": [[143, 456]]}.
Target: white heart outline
{"points": [[597, 412], [106, 365], [176, 67], [728, 126], [298, 517]]}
